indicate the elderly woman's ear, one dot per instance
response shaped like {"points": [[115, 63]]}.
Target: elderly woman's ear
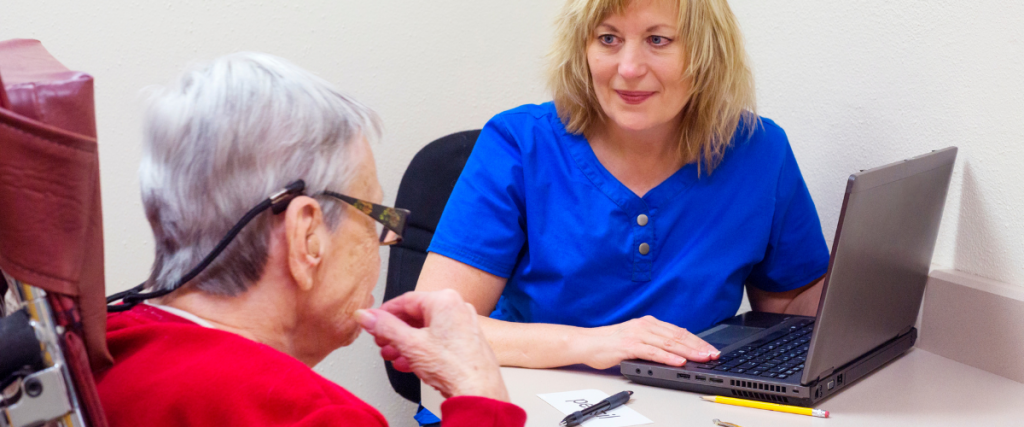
{"points": [[304, 234]]}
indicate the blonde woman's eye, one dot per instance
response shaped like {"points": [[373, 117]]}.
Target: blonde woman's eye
{"points": [[606, 39], [660, 41]]}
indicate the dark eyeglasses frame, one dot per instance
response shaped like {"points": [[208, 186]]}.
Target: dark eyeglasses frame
{"points": [[393, 219]]}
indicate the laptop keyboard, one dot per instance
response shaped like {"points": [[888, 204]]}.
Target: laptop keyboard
{"points": [[779, 355]]}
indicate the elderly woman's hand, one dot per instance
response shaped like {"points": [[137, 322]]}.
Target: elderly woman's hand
{"points": [[436, 336]]}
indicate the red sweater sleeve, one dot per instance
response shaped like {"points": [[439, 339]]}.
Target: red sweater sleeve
{"points": [[477, 411]]}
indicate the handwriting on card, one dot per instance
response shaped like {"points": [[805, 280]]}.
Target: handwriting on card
{"points": [[568, 402], [584, 403]]}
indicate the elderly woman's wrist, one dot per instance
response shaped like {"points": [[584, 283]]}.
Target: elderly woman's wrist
{"points": [[492, 388]]}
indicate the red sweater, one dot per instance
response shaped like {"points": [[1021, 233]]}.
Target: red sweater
{"points": [[169, 371]]}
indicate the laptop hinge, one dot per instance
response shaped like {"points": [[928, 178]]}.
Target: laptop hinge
{"points": [[826, 373], [904, 331]]}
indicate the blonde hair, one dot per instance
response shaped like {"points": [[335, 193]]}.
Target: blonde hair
{"points": [[722, 95]]}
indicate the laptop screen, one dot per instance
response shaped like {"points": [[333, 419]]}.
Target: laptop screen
{"points": [[881, 256]]}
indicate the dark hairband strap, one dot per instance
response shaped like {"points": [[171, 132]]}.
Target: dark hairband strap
{"points": [[277, 202]]}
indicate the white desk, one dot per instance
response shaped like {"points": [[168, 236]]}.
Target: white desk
{"points": [[917, 389]]}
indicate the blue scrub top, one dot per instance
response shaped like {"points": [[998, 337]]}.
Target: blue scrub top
{"points": [[536, 206]]}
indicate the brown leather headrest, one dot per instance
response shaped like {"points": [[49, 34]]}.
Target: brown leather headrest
{"points": [[51, 225]]}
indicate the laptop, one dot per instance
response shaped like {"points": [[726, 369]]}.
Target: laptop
{"points": [[869, 304]]}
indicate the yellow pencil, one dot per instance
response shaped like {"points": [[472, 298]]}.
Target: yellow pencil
{"points": [[820, 413]]}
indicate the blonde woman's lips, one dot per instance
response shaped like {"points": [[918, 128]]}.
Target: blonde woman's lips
{"points": [[634, 97]]}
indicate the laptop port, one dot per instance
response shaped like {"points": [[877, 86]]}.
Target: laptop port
{"points": [[717, 380], [839, 380], [683, 376], [701, 378], [831, 385], [650, 372]]}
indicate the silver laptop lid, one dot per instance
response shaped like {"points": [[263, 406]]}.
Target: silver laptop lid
{"points": [[880, 259]]}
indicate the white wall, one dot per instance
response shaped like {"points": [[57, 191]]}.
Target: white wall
{"points": [[856, 84]]}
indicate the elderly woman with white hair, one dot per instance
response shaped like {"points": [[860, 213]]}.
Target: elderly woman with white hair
{"points": [[235, 344], [637, 206]]}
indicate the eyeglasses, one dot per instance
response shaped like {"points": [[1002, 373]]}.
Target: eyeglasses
{"points": [[391, 222]]}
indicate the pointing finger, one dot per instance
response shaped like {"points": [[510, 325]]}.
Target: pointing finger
{"points": [[385, 327], [408, 307]]}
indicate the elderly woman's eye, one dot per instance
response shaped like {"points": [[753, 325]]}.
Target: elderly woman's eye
{"points": [[659, 40], [606, 39]]}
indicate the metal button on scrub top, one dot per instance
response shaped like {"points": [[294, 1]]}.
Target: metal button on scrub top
{"points": [[644, 248], [641, 220]]}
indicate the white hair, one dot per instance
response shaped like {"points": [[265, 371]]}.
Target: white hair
{"points": [[223, 137]]}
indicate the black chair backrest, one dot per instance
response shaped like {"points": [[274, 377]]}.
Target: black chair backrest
{"points": [[425, 188]]}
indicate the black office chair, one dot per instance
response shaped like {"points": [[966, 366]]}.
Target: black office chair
{"points": [[425, 188]]}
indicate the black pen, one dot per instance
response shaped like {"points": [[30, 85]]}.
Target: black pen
{"points": [[578, 417]]}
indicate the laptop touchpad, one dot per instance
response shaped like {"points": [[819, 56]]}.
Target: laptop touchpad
{"points": [[722, 336]]}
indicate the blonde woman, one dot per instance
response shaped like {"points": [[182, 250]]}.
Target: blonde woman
{"points": [[634, 208]]}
